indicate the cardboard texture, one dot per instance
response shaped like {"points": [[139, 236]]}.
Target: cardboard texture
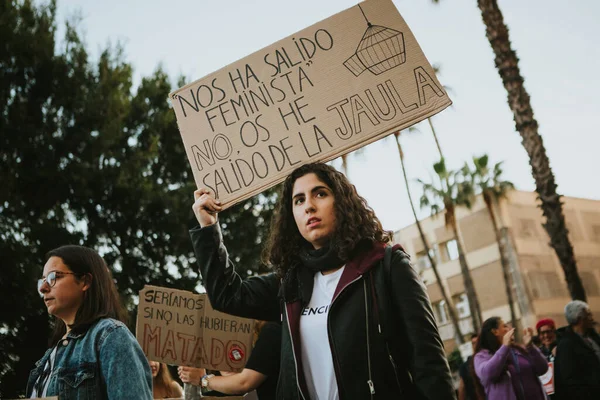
{"points": [[329, 89], [178, 327]]}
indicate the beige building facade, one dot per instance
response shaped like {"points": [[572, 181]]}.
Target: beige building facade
{"points": [[538, 284]]}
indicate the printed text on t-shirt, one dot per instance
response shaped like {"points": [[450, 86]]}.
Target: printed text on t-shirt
{"points": [[315, 310]]}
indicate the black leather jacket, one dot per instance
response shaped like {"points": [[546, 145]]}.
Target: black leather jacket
{"points": [[410, 364], [576, 367]]}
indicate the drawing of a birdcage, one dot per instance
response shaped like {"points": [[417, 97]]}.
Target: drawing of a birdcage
{"points": [[379, 50]]}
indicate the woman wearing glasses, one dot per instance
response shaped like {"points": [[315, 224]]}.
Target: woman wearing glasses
{"points": [[92, 353]]}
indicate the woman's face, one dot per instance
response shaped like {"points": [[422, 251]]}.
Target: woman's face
{"points": [[547, 335], [154, 367], [502, 329], [66, 296], [313, 208]]}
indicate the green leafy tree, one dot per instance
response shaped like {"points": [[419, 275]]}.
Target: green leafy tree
{"points": [[447, 194], [87, 159]]}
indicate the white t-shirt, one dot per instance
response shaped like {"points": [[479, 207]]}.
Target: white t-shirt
{"points": [[317, 361], [44, 377]]}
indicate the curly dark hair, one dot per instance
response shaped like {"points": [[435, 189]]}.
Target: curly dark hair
{"points": [[356, 222]]}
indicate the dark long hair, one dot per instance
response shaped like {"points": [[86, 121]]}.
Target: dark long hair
{"points": [[101, 300], [356, 222], [162, 383], [486, 341]]}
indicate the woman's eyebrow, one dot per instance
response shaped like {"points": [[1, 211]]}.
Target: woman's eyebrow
{"points": [[315, 189]]}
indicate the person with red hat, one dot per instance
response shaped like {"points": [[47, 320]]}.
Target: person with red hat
{"points": [[546, 329]]}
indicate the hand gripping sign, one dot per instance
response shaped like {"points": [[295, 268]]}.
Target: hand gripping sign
{"points": [[329, 89]]}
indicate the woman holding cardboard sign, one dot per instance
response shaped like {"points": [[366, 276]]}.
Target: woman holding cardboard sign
{"points": [[93, 353], [357, 322]]}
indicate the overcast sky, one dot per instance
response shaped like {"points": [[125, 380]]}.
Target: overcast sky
{"points": [[556, 42]]}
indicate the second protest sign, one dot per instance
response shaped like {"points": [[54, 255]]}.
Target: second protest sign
{"points": [[178, 327]]}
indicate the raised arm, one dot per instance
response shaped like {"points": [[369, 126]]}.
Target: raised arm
{"points": [[255, 297], [538, 361], [489, 368]]}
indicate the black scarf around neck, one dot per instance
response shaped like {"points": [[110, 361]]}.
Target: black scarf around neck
{"points": [[298, 281]]}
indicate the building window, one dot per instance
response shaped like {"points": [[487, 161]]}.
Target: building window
{"points": [[527, 228], [449, 249], [546, 285], [462, 305], [423, 261], [441, 312]]}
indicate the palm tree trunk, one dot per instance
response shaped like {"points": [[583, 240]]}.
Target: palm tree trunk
{"points": [[437, 142], [345, 164], [466, 273], [488, 199], [520, 104], [474, 306], [451, 310]]}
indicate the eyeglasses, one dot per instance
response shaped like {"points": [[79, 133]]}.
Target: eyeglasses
{"points": [[50, 279], [548, 332]]}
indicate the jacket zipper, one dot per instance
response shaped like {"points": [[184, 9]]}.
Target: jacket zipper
{"points": [[393, 366], [370, 381], [287, 318], [335, 361]]}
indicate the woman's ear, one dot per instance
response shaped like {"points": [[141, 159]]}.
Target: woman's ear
{"points": [[87, 281]]}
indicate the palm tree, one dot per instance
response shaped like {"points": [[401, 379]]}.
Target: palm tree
{"points": [[519, 102], [451, 309], [493, 188], [447, 195], [345, 163]]}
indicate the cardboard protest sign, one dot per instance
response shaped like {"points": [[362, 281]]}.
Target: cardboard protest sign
{"points": [[329, 89], [178, 327], [548, 379]]}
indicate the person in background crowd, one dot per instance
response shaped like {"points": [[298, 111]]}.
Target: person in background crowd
{"points": [[577, 363], [508, 371], [466, 387], [340, 303], [260, 373], [546, 329], [92, 352], [163, 385]]}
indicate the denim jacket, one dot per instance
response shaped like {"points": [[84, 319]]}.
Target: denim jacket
{"points": [[105, 362]]}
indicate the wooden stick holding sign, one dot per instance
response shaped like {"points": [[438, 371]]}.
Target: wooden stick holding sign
{"points": [[178, 327], [329, 89]]}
